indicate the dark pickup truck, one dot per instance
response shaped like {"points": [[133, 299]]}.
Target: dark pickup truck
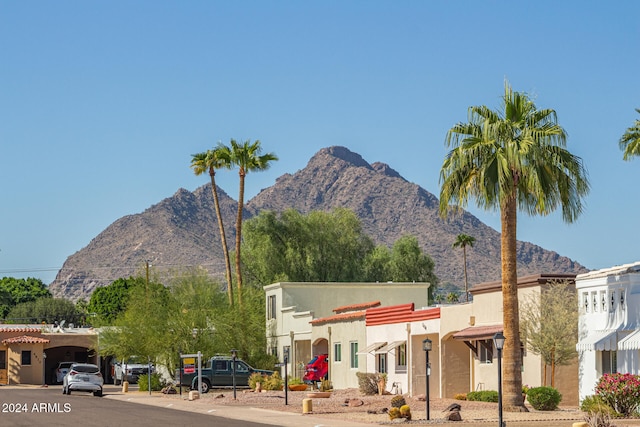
{"points": [[218, 372]]}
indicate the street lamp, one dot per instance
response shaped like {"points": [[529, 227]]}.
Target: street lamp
{"points": [[498, 341], [234, 356], [426, 346]]}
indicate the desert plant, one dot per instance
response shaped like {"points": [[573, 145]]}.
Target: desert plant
{"points": [[325, 385], [398, 401], [460, 396], [620, 391], [255, 378], [394, 413], [156, 382], [274, 382], [596, 419], [368, 382], [544, 398], [294, 381], [405, 412], [595, 404], [483, 396]]}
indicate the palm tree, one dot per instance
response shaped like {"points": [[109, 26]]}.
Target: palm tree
{"points": [[210, 161], [462, 241], [511, 160], [630, 141], [246, 156]]}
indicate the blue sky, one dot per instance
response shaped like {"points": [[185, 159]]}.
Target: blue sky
{"points": [[102, 103]]}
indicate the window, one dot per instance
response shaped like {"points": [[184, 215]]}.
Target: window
{"points": [[594, 297], [485, 351], [381, 363], [609, 362], [613, 301], [354, 354], [3, 359], [337, 352], [585, 302], [26, 357], [401, 356], [603, 298], [271, 307]]}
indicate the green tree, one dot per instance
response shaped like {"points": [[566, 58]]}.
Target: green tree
{"points": [[511, 160], [408, 263], [246, 156], [550, 325], [46, 309], [317, 247], [630, 141], [109, 302], [15, 291], [462, 241], [210, 161]]}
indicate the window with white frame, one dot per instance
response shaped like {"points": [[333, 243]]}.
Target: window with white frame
{"points": [[401, 356], [353, 346], [337, 352]]}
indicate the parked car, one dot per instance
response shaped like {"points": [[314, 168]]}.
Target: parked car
{"points": [[218, 372], [61, 370], [130, 370], [83, 377], [317, 369]]}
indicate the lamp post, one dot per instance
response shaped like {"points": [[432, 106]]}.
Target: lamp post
{"points": [[498, 341], [234, 356], [286, 379], [426, 346]]}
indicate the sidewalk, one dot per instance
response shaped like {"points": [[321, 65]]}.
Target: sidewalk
{"points": [[244, 413]]}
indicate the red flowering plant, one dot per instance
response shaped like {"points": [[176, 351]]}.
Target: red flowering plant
{"points": [[620, 391]]}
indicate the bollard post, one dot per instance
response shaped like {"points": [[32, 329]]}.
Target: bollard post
{"points": [[307, 406]]}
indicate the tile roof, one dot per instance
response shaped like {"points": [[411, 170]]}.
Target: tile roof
{"points": [[25, 339], [342, 317], [400, 314], [359, 306], [19, 329]]}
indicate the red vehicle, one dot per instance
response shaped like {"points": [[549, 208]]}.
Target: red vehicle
{"points": [[317, 369]]}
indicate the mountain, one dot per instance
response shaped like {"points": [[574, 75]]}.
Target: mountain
{"points": [[181, 231]]}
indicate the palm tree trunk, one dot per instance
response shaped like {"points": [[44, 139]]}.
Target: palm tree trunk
{"points": [[242, 175], [466, 282], [223, 238], [512, 378]]}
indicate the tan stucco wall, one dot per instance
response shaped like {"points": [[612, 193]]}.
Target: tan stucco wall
{"points": [[29, 374], [456, 368], [418, 366]]}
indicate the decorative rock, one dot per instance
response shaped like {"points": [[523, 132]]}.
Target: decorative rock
{"points": [[453, 416], [399, 421], [421, 398], [352, 403]]}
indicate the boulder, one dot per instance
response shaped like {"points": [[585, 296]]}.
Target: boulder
{"points": [[453, 416]]}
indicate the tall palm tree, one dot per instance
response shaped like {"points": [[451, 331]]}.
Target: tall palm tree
{"points": [[211, 160], [513, 159], [246, 156], [630, 141], [462, 241]]}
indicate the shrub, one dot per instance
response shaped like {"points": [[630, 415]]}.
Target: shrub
{"points": [[255, 378], [483, 396], [294, 381], [368, 382], [620, 391], [157, 383], [398, 401], [595, 405], [325, 385], [544, 398], [460, 396], [273, 382]]}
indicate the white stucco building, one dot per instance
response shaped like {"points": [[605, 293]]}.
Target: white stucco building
{"points": [[609, 324]]}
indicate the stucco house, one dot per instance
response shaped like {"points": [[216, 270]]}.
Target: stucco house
{"points": [[609, 323], [292, 306], [30, 353]]}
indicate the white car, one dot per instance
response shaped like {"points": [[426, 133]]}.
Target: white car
{"points": [[61, 370], [130, 370], [83, 377]]}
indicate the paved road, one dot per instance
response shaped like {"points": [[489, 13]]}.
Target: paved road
{"points": [[30, 407]]}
